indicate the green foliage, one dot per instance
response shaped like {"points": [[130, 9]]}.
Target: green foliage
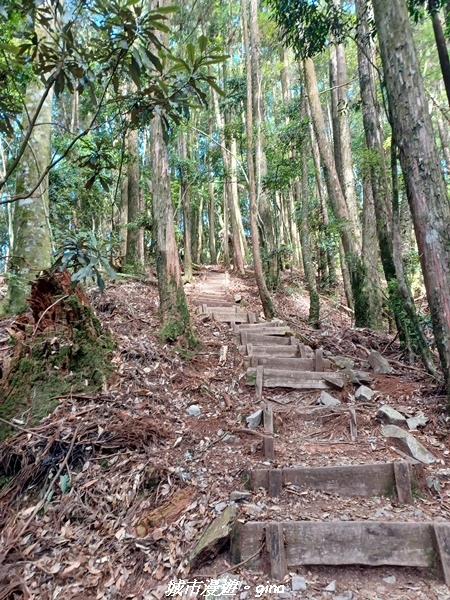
{"points": [[307, 26], [86, 256]]}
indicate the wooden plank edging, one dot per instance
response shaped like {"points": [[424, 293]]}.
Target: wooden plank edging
{"points": [[369, 543], [373, 479]]}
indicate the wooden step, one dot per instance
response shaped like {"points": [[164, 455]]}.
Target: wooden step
{"points": [[298, 380], [258, 326], [247, 334], [295, 351], [376, 479], [262, 339], [371, 543], [212, 302], [285, 363]]}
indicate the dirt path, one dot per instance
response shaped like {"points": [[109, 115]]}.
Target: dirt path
{"points": [[158, 454]]}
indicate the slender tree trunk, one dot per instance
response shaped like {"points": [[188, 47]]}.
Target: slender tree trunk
{"points": [[427, 195], [186, 204], [123, 219], [263, 202], [230, 202], [314, 300], [135, 236], [211, 206], [388, 229], [32, 241], [348, 236], [441, 46], [266, 301], [235, 193], [322, 193], [176, 323], [445, 144]]}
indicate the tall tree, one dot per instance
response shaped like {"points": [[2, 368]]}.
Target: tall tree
{"points": [[174, 312], [264, 295], [427, 195], [31, 246], [135, 233]]}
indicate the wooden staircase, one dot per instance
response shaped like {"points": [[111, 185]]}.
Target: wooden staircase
{"points": [[275, 358]]}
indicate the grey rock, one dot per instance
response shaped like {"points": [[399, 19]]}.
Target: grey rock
{"points": [[243, 596], [391, 579], [364, 393], [220, 507], [230, 439], [343, 362], [237, 496], [379, 364], [194, 410], [254, 419], [298, 583], [213, 538], [415, 422], [387, 414], [327, 399], [409, 443], [433, 484], [331, 587]]}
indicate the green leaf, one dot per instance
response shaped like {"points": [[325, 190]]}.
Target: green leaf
{"points": [[215, 87], [202, 43], [191, 53], [64, 483]]}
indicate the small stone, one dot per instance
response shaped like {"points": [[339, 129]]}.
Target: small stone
{"points": [[342, 362], [237, 297], [220, 507], [364, 393], [254, 419], [391, 579], [243, 596], [415, 422], [237, 496], [379, 364], [230, 439], [327, 399], [298, 583], [331, 587], [194, 410], [409, 442], [387, 414], [213, 538]]}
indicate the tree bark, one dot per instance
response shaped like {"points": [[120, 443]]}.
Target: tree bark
{"points": [[211, 205], [176, 323], [349, 238], [441, 46], [135, 234], [267, 230], [314, 300], [266, 301], [32, 241], [186, 204], [427, 195]]}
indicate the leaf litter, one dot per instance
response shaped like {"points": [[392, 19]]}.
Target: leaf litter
{"points": [[141, 479]]}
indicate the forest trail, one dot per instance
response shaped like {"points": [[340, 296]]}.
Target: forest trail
{"points": [[151, 461]]}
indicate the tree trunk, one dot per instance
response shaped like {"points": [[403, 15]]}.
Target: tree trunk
{"points": [[230, 203], [427, 195], [266, 301], [211, 205], [176, 322], [123, 220], [441, 46], [186, 204], [348, 236], [32, 246], [341, 129], [325, 223], [314, 300], [263, 202], [135, 235], [445, 145], [388, 231]]}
